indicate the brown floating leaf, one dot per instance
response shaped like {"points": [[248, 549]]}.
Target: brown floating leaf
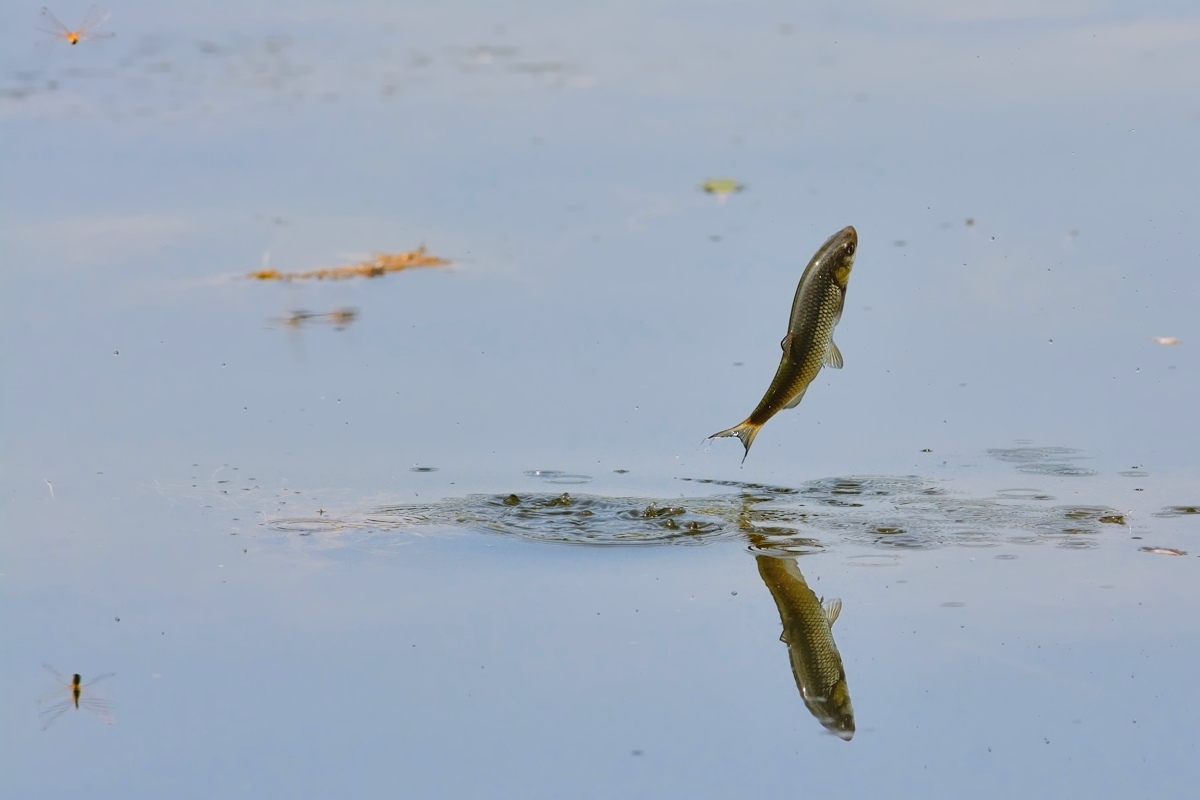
{"points": [[379, 264]]}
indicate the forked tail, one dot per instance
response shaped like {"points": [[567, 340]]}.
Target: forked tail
{"points": [[745, 432]]}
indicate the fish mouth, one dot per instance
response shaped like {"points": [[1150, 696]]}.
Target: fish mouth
{"points": [[841, 727]]}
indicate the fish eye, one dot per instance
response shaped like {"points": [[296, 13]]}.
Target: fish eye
{"points": [[850, 247]]}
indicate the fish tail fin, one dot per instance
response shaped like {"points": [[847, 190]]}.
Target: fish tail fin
{"points": [[744, 432]]}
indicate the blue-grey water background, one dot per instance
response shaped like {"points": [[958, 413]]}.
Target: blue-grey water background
{"points": [[290, 542]]}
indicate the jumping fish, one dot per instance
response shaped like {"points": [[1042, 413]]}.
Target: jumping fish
{"points": [[808, 345]]}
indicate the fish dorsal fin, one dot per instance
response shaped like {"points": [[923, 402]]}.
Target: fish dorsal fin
{"points": [[833, 607], [796, 400], [785, 344], [833, 357]]}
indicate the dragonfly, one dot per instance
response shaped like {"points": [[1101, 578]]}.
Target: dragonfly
{"points": [[78, 696], [86, 30]]}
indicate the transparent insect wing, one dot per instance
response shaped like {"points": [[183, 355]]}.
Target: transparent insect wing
{"points": [[100, 707], [59, 29], [51, 714], [95, 18], [59, 678], [97, 706], [99, 678]]}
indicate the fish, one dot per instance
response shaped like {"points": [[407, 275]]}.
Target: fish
{"points": [[808, 633], [76, 698], [808, 344]]}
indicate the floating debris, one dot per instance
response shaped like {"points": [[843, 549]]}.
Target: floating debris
{"points": [[1163, 551], [722, 187], [339, 318], [380, 264], [86, 30], [1167, 340]]}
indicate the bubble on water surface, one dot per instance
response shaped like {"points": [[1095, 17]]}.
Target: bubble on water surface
{"points": [[542, 473], [558, 477]]}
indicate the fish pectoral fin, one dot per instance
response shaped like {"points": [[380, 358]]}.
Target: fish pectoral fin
{"points": [[795, 401], [833, 356], [785, 344], [833, 608]]}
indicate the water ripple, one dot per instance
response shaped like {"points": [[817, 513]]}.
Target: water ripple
{"points": [[1178, 511], [885, 512], [1055, 461]]}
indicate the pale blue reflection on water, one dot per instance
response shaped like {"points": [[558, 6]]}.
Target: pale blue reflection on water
{"points": [[602, 314]]}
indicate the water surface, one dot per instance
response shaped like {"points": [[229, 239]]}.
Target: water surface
{"points": [[455, 531]]}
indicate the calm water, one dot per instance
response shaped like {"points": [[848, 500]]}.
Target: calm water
{"points": [[456, 532]]}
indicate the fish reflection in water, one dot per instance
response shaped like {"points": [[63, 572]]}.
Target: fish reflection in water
{"points": [[808, 634], [78, 696]]}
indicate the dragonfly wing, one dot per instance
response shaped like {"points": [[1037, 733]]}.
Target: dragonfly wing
{"points": [[99, 678], [59, 28], [95, 16], [51, 714]]}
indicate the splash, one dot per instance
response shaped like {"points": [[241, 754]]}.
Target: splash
{"points": [[886, 512]]}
